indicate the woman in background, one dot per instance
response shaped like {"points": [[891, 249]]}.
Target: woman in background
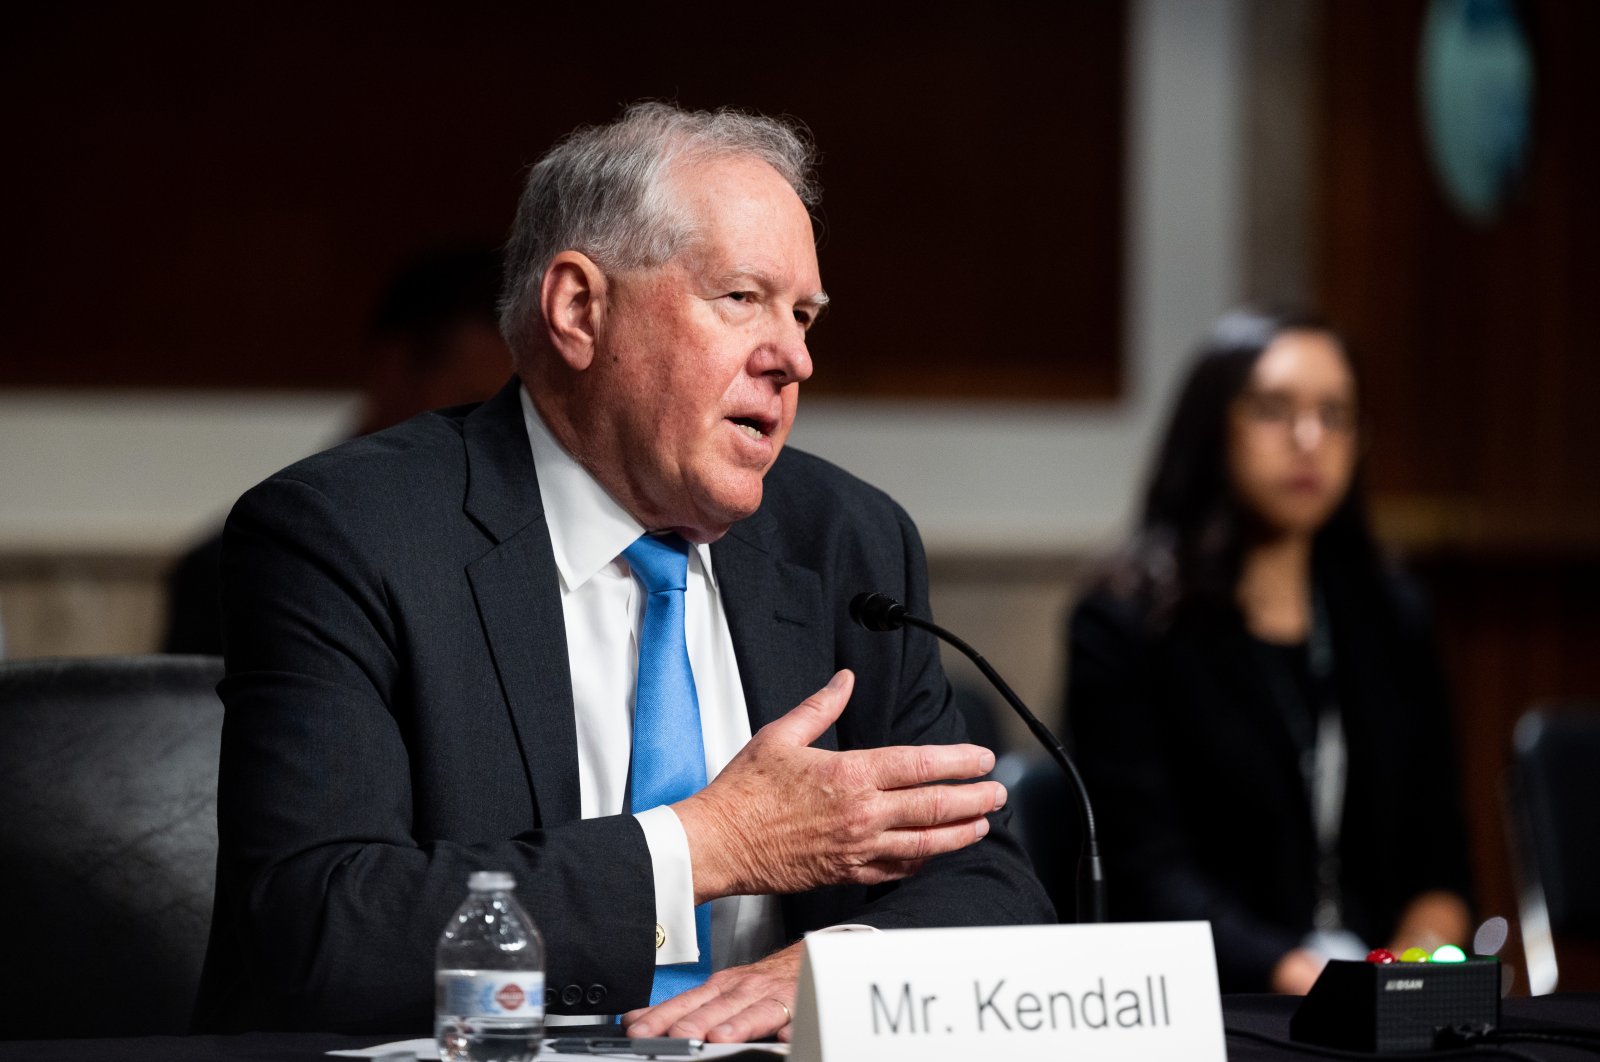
{"points": [[1255, 698]]}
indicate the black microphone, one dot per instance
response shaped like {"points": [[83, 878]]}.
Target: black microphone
{"points": [[880, 612], [877, 612]]}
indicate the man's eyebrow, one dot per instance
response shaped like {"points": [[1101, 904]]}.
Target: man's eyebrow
{"points": [[817, 299]]}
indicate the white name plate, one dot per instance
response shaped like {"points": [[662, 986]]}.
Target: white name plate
{"points": [[1144, 991]]}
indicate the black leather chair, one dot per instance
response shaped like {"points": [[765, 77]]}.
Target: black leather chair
{"points": [[108, 841], [1554, 809], [1046, 819]]}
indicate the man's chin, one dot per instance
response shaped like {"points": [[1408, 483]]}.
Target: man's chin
{"points": [[718, 512]]}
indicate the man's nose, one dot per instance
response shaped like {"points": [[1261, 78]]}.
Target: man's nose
{"points": [[785, 356]]}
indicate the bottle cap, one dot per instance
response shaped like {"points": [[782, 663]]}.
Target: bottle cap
{"points": [[491, 881]]}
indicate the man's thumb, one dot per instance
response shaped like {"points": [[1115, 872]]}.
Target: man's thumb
{"points": [[807, 721]]}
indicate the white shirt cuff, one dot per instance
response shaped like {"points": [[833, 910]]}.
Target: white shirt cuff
{"points": [[673, 871]]}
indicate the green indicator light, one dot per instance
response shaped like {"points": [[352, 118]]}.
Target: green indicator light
{"points": [[1449, 953]]}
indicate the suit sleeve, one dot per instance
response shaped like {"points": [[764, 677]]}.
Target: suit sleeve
{"points": [[1115, 711], [988, 883], [331, 891]]}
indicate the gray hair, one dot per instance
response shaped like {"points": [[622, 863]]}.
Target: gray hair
{"points": [[602, 191]]}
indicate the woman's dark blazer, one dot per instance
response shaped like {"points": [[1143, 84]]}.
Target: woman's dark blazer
{"points": [[1190, 760]]}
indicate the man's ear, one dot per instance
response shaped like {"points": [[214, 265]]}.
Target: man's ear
{"points": [[572, 301]]}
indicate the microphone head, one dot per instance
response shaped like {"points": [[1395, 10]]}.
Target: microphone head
{"points": [[877, 612]]}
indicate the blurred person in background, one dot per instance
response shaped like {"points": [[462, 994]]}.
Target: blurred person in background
{"points": [[434, 341], [1253, 690]]}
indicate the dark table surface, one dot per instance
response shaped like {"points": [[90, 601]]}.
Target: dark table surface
{"points": [[1258, 1029], [1254, 1020]]}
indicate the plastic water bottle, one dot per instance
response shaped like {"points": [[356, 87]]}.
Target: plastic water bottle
{"points": [[489, 977]]}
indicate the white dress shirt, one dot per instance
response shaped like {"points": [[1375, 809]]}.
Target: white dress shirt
{"points": [[603, 607]]}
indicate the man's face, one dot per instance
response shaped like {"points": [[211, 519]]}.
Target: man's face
{"points": [[698, 361]]}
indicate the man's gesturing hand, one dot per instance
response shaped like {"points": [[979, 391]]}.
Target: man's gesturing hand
{"points": [[783, 817]]}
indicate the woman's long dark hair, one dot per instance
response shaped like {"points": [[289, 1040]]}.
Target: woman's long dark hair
{"points": [[1189, 546]]}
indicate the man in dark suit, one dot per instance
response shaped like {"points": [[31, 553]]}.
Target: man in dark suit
{"points": [[436, 635]]}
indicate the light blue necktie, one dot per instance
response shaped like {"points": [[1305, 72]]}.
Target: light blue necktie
{"points": [[669, 759]]}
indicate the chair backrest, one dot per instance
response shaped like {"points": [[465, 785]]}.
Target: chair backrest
{"points": [[108, 841], [1555, 797], [1045, 818]]}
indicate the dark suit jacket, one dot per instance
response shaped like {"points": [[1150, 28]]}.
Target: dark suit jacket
{"points": [[399, 713], [1187, 752]]}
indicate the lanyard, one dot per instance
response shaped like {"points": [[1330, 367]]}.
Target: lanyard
{"points": [[1324, 758], [1326, 768]]}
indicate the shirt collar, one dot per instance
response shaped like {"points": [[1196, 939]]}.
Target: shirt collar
{"points": [[588, 529]]}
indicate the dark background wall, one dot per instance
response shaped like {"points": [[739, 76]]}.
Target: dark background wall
{"points": [[210, 194]]}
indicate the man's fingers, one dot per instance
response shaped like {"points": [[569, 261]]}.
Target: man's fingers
{"points": [[882, 871], [903, 846], [745, 1010], [901, 853], [935, 805], [737, 1004], [656, 1020], [899, 766], [808, 720], [765, 1016]]}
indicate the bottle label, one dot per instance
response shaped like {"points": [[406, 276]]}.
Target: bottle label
{"points": [[492, 993]]}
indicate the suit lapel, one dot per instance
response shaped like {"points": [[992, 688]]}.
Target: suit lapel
{"points": [[777, 622], [519, 602]]}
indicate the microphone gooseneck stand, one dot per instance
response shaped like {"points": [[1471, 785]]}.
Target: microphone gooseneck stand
{"points": [[879, 612]]}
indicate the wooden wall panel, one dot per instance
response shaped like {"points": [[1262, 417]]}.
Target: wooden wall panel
{"points": [[1481, 373], [1479, 355], [210, 195]]}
